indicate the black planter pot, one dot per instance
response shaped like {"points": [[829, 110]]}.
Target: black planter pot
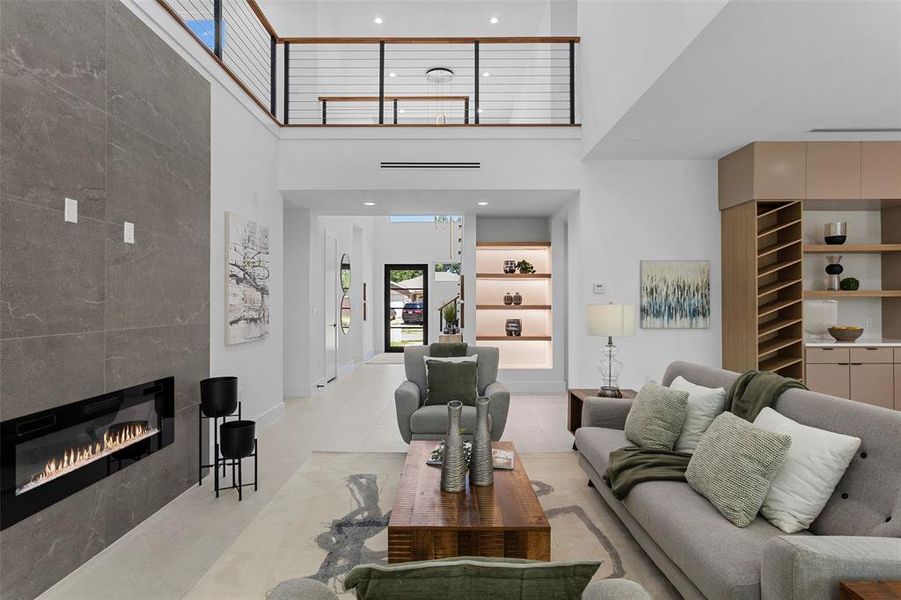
{"points": [[218, 396], [236, 439]]}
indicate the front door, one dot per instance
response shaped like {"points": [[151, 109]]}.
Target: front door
{"points": [[406, 306]]}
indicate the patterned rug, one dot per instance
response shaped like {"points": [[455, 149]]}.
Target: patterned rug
{"points": [[332, 514]]}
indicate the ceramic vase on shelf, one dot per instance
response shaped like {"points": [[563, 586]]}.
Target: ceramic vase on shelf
{"points": [[513, 327], [517, 298], [835, 233], [481, 464], [833, 271], [509, 267], [453, 469], [508, 299]]}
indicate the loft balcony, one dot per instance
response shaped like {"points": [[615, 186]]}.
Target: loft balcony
{"points": [[390, 81]]}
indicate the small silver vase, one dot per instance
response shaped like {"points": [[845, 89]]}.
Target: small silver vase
{"points": [[453, 469], [481, 464]]}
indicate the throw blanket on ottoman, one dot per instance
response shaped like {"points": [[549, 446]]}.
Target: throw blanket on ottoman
{"points": [[750, 393]]}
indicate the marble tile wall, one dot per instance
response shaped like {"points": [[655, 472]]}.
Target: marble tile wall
{"points": [[97, 108]]}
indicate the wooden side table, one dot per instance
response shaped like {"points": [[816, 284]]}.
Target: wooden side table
{"points": [[574, 405], [869, 590]]}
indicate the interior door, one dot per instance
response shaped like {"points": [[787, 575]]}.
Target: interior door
{"points": [[331, 307], [406, 306]]}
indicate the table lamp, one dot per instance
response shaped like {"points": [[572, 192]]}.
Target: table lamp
{"points": [[608, 320]]}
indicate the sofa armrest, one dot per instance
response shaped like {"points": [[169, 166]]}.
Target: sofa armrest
{"points": [[498, 409], [605, 412], [797, 567], [615, 589], [406, 402]]}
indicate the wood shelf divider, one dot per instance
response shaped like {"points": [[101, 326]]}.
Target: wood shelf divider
{"points": [[776, 305], [775, 344], [514, 338], [775, 325], [851, 248], [777, 266], [775, 286], [837, 294], [778, 363], [777, 227], [776, 248], [513, 276]]}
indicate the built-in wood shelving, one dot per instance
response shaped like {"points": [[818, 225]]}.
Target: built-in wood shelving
{"points": [[769, 288], [779, 363], [851, 248], [513, 275], [513, 307], [777, 266], [775, 325], [777, 343], [777, 247], [775, 306], [514, 338], [778, 227], [837, 294]]}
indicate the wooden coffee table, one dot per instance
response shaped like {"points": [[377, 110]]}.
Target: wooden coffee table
{"points": [[502, 520]]}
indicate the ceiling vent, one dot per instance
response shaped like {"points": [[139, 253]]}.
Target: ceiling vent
{"points": [[427, 166]]}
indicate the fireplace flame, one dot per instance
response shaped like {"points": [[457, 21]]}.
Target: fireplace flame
{"points": [[113, 440]]}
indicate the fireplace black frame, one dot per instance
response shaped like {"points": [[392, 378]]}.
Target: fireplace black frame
{"points": [[14, 432]]}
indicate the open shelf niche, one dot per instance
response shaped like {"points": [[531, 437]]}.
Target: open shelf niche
{"points": [[533, 349]]}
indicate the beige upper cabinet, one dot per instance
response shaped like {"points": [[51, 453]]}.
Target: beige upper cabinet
{"points": [[833, 170], [779, 170], [880, 167]]}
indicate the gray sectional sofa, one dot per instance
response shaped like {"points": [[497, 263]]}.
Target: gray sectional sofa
{"points": [[857, 536]]}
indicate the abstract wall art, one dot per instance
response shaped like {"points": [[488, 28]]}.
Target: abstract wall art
{"points": [[247, 280], [675, 294]]}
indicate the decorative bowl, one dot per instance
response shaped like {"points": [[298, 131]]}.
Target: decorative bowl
{"points": [[845, 333]]}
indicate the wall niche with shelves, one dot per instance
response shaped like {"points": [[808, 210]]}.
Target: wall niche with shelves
{"points": [[533, 348]]}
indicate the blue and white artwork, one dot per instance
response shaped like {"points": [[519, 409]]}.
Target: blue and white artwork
{"points": [[675, 294]]}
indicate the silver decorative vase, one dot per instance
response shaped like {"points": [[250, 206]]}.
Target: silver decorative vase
{"points": [[481, 463], [453, 468]]}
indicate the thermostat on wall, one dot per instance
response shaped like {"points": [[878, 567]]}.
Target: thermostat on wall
{"points": [[599, 289]]}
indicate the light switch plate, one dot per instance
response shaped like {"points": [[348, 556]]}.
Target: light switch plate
{"points": [[129, 233], [599, 289], [70, 213]]}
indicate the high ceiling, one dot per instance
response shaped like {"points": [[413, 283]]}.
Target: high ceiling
{"points": [[770, 70]]}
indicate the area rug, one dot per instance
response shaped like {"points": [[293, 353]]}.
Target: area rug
{"points": [[332, 514]]}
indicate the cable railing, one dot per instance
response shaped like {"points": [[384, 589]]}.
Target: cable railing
{"points": [[411, 81]]}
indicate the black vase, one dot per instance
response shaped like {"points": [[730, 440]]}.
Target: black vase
{"points": [[508, 299], [517, 299], [236, 439], [513, 327], [218, 396]]}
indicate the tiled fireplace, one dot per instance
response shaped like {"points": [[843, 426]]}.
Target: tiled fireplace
{"points": [[54, 453]]}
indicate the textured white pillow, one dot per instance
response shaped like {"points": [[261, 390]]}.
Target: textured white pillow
{"points": [[704, 405], [815, 463]]}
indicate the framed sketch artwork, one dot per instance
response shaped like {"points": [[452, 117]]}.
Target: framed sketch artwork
{"points": [[675, 294], [247, 280]]}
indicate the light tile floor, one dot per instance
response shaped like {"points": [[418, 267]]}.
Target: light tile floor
{"points": [[166, 555]]}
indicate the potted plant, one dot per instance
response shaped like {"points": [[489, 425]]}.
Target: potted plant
{"points": [[449, 312], [525, 267]]}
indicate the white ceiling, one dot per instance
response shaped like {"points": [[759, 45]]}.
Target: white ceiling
{"points": [[501, 203], [770, 70]]}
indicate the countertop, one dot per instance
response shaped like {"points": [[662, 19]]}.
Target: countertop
{"points": [[863, 342]]}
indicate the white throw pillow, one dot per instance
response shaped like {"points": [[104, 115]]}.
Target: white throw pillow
{"points": [[815, 463], [704, 405]]}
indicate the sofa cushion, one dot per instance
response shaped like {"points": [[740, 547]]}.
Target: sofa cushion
{"points": [[433, 419], [704, 405], [596, 444], [722, 560], [656, 417], [449, 381]]}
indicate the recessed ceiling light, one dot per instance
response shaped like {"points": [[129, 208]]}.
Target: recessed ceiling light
{"points": [[378, 21], [392, 74], [369, 203], [483, 203], [493, 20], [486, 74], [480, 111], [401, 111]]}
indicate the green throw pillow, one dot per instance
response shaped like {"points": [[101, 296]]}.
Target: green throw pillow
{"points": [[656, 417], [452, 381], [440, 350], [734, 465], [472, 577]]}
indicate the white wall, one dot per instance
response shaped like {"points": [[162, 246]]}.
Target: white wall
{"points": [[517, 229], [625, 47], [244, 179], [297, 303], [641, 210]]}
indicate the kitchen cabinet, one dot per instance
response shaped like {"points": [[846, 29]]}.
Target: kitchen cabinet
{"points": [[873, 383], [880, 170], [833, 170], [833, 379], [898, 385]]}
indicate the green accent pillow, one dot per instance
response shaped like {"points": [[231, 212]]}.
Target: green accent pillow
{"points": [[656, 417], [472, 577], [447, 350], [734, 465], [451, 381]]}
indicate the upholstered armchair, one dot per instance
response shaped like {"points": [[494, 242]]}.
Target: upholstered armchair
{"points": [[418, 422]]}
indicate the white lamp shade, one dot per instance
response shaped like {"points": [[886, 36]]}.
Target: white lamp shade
{"points": [[610, 320]]}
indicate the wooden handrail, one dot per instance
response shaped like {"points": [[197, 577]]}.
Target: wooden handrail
{"points": [[540, 39], [262, 17], [391, 98]]}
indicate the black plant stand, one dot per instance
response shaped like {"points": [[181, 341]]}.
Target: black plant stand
{"points": [[218, 400], [238, 442]]}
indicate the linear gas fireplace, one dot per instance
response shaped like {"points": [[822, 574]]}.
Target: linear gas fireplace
{"points": [[52, 454]]}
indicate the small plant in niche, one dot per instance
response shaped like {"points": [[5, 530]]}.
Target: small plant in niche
{"points": [[525, 267], [449, 312]]}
